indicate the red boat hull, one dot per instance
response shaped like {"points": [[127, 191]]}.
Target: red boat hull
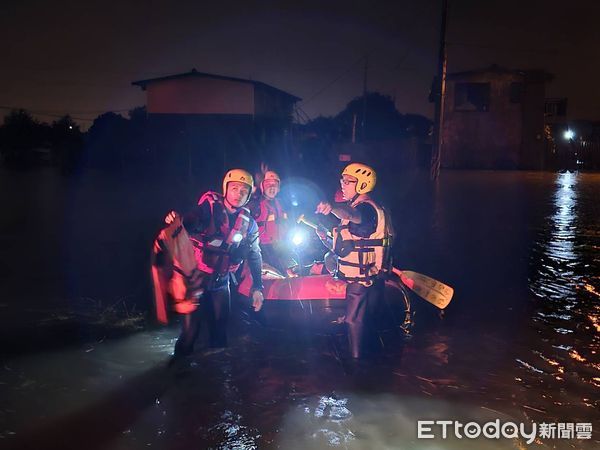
{"points": [[314, 287]]}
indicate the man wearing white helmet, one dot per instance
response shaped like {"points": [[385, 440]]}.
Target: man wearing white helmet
{"points": [[272, 222], [223, 233], [362, 242]]}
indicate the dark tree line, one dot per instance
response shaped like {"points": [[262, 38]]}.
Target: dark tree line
{"points": [[382, 121], [373, 123], [112, 141], [134, 143], [25, 141]]}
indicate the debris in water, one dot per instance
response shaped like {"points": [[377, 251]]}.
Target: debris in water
{"points": [[533, 409]]}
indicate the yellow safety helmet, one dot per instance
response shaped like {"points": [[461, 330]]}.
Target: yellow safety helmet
{"points": [[240, 175], [269, 175], [365, 175]]}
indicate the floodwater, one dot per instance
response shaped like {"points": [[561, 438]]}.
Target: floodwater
{"points": [[519, 342]]}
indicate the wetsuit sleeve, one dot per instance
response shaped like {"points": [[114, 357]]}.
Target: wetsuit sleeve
{"points": [[254, 257], [368, 221], [196, 220]]}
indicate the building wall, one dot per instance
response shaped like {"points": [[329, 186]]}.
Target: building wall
{"points": [[270, 104], [203, 145], [199, 95], [483, 139], [206, 124], [533, 146]]}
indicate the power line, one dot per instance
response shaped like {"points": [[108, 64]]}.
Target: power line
{"points": [[551, 51], [302, 115], [335, 80]]}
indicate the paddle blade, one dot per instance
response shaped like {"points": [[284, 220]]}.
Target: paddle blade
{"points": [[429, 289]]}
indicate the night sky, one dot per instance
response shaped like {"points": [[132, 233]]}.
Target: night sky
{"points": [[79, 57]]}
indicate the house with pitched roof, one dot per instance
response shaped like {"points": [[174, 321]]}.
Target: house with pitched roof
{"points": [[214, 122]]}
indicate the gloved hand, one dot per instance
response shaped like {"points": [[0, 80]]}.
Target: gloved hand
{"points": [[170, 218], [260, 176], [257, 300], [185, 306]]}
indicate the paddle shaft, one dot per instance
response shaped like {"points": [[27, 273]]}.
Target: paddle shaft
{"points": [[311, 224]]}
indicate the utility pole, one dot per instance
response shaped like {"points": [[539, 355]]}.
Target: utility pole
{"points": [[439, 93], [364, 118]]}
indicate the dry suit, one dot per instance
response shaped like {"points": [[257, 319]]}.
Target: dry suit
{"points": [[222, 240]]}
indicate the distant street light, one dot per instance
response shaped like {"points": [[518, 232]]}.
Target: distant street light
{"points": [[569, 134]]}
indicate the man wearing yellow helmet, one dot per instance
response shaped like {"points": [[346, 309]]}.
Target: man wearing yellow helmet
{"points": [[272, 222], [361, 242], [223, 233]]}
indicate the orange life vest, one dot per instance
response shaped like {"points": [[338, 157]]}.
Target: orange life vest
{"points": [[270, 219]]}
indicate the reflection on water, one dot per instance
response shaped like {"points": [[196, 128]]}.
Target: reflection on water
{"points": [[380, 421], [565, 280], [331, 415], [556, 250], [230, 433]]}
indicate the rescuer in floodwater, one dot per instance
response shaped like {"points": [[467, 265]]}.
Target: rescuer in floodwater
{"points": [[362, 242], [223, 233]]}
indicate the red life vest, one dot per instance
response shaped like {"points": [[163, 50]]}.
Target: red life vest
{"points": [[213, 246], [270, 220]]}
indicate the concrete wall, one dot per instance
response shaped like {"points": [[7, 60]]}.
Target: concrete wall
{"points": [[483, 139], [533, 146]]}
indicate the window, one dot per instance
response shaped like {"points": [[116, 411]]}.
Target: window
{"points": [[516, 92], [472, 97], [555, 107]]}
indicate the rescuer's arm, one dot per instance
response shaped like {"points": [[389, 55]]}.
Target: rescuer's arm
{"points": [[342, 212], [254, 258]]}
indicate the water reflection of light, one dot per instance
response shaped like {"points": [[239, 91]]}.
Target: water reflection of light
{"points": [[529, 366], [332, 413], [566, 312], [562, 239], [233, 434], [591, 289], [576, 356], [383, 421], [556, 278], [595, 322]]}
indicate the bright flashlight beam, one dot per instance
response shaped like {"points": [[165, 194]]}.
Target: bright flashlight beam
{"points": [[298, 238], [569, 134]]}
